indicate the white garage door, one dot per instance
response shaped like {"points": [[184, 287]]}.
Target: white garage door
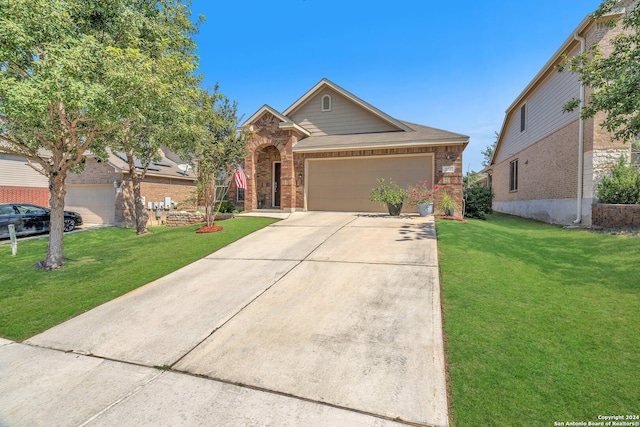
{"points": [[96, 203], [345, 184]]}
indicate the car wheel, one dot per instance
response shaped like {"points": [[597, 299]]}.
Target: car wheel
{"points": [[69, 225]]}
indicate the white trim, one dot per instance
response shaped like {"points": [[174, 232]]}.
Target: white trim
{"points": [[384, 145], [326, 96]]}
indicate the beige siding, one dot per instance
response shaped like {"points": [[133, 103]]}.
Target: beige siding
{"points": [[15, 172], [544, 113], [344, 118]]}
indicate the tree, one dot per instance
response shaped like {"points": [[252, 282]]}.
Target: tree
{"points": [[487, 153], [60, 61], [217, 149], [614, 78]]}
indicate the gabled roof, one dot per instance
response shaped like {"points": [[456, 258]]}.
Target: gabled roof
{"points": [[417, 135], [285, 122], [324, 83]]}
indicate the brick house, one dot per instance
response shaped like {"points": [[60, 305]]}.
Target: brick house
{"points": [[547, 163], [102, 193], [325, 151]]}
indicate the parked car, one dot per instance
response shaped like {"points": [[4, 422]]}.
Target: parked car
{"points": [[31, 219]]}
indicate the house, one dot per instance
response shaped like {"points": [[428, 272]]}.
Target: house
{"points": [[325, 152], [547, 163], [21, 183], [102, 193]]}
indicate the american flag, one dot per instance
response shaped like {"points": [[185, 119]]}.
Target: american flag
{"points": [[240, 177]]}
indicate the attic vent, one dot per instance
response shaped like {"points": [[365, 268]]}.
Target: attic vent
{"points": [[326, 103]]}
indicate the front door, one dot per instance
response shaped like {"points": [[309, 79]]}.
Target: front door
{"points": [[277, 167]]}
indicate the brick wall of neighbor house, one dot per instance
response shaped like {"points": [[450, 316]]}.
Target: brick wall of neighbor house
{"points": [[153, 189], [449, 182], [95, 173], [35, 195], [616, 216]]}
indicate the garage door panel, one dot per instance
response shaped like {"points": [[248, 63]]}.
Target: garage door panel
{"points": [[345, 184], [96, 204]]}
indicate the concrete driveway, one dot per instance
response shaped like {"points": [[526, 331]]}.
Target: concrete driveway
{"points": [[320, 319]]}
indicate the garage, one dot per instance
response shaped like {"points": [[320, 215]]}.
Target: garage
{"points": [[344, 184], [96, 203]]}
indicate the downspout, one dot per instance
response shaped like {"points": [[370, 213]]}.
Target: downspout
{"points": [[580, 194]]}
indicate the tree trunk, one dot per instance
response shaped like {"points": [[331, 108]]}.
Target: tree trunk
{"points": [[55, 251], [141, 218]]}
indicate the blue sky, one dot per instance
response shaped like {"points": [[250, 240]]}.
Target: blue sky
{"points": [[451, 65]]}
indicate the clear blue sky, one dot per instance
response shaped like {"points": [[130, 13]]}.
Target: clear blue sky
{"points": [[450, 65]]}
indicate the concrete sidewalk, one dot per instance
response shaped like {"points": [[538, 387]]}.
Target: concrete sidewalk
{"points": [[320, 319]]}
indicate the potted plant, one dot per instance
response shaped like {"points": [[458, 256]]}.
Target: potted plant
{"points": [[390, 194], [421, 195], [447, 204]]}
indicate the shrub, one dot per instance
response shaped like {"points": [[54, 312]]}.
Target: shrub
{"points": [[478, 202], [390, 193], [621, 187], [226, 207]]}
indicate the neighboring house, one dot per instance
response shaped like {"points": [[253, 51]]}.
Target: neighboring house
{"points": [[21, 183], [325, 151], [103, 193], [547, 163]]}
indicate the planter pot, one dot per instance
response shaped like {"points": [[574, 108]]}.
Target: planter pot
{"points": [[448, 211], [394, 210], [425, 209]]}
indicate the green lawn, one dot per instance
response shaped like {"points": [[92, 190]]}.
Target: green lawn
{"points": [[101, 265], [542, 324]]}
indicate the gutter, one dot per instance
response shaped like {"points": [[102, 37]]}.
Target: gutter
{"points": [[579, 195]]}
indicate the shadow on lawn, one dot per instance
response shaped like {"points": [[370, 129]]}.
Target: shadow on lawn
{"points": [[571, 257]]}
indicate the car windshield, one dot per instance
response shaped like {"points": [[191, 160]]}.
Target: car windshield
{"points": [[30, 209]]}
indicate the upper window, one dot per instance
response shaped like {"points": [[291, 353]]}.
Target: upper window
{"points": [[513, 175], [523, 118], [326, 103]]}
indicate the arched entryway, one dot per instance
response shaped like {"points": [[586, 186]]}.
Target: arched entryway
{"points": [[268, 167]]}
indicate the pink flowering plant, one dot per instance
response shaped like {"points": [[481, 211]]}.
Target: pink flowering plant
{"points": [[421, 193]]}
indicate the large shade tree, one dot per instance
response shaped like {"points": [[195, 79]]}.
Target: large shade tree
{"points": [[614, 76], [65, 77]]}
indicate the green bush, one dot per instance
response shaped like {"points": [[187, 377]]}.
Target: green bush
{"points": [[478, 202], [226, 207], [621, 187]]}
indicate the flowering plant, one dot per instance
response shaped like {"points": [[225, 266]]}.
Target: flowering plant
{"points": [[421, 193]]}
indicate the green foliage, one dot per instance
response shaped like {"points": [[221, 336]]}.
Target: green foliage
{"points": [[446, 203], [487, 153], [77, 75], [387, 193], [478, 202], [614, 77], [528, 305], [116, 260], [621, 187], [225, 207]]}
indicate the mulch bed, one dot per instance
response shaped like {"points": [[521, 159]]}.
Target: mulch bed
{"points": [[211, 229], [452, 218]]}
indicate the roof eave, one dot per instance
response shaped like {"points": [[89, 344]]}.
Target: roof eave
{"points": [[381, 146]]}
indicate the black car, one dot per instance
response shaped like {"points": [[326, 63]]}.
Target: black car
{"points": [[31, 219]]}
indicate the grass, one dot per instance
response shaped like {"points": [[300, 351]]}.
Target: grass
{"points": [[541, 323], [101, 265]]}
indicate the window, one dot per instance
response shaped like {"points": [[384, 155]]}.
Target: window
{"points": [[523, 118], [326, 103], [513, 175], [240, 195]]}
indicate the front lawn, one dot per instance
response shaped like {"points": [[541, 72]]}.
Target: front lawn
{"points": [[542, 324], [101, 265]]}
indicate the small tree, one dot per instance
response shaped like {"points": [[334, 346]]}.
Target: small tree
{"points": [[217, 150], [614, 78], [487, 153], [478, 203]]}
